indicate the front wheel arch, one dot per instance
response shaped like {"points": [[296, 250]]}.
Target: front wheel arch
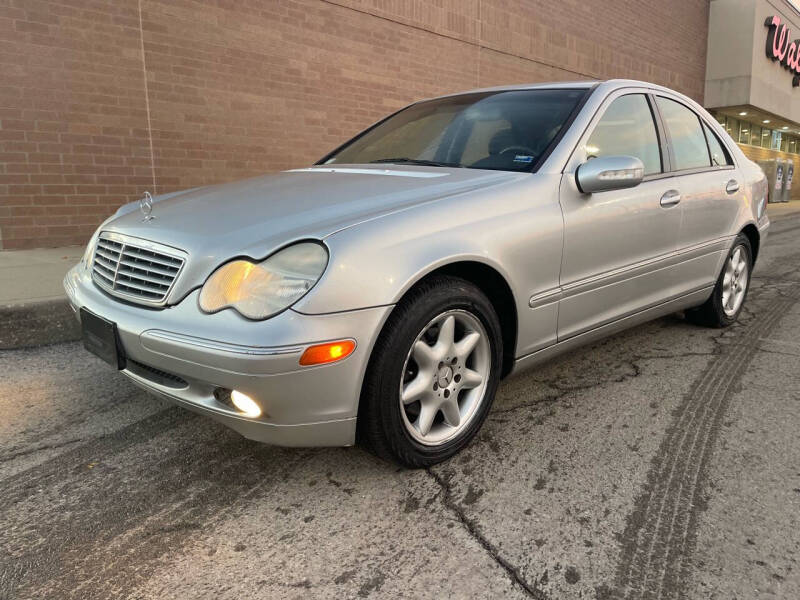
{"points": [[376, 426], [492, 283]]}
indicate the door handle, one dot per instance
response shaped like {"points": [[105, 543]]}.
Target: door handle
{"points": [[670, 198], [732, 187]]}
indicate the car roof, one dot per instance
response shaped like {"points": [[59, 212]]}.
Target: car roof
{"points": [[608, 85]]}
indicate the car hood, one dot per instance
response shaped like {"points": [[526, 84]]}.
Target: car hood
{"points": [[254, 217]]}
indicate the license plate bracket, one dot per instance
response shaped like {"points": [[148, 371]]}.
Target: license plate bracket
{"points": [[100, 337]]}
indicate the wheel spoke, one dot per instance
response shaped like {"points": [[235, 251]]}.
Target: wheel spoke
{"points": [[415, 389], [471, 379], [467, 344], [424, 355], [450, 411], [426, 417], [447, 331]]}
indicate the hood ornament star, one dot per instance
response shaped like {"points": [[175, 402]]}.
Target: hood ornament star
{"points": [[146, 206]]}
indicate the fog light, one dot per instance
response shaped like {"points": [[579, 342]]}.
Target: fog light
{"points": [[245, 404], [327, 353]]}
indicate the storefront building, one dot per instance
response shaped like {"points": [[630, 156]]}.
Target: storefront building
{"points": [[753, 80], [103, 100]]}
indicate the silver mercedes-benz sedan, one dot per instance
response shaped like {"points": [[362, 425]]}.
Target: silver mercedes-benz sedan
{"points": [[380, 295]]}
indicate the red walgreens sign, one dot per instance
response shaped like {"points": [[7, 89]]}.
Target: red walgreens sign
{"points": [[781, 49]]}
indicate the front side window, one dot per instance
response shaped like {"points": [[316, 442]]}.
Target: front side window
{"points": [[627, 129], [719, 155], [508, 131], [686, 135]]}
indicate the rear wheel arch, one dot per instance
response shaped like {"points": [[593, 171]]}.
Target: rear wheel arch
{"points": [[751, 231]]}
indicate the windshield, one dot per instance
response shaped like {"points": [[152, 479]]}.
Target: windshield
{"points": [[506, 131]]}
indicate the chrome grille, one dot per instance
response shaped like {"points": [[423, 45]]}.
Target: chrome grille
{"points": [[135, 270]]}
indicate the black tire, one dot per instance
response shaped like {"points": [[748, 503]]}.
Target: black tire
{"points": [[381, 428], [711, 313]]}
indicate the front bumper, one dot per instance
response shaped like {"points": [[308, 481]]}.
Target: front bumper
{"points": [[302, 406]]}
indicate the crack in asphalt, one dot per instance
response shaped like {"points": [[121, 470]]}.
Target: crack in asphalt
{"points": [[564, 390], [777, 352], [513, 572], [633, 362]]}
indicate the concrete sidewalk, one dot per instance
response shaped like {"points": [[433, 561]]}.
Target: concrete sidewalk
{"points": [[781, 209], [35, 275], [34, 309]]}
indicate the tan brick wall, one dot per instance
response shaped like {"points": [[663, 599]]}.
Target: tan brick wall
{"points": [[237, 88], [756, 154]]}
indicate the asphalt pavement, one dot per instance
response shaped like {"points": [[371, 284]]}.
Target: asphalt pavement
{"points": [[663, 462]]}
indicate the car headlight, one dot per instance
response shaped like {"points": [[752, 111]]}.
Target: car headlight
{"points": [[89, 252], [86, 259], [261, 290]]}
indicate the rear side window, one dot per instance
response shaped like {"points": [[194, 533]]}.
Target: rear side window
{"points": [[719, 155], [686, 135], [627, 129]]}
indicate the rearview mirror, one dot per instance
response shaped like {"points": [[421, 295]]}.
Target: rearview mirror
{"points": [[609, 173]]}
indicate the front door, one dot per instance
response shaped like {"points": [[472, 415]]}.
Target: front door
{"points": [[619, 246]]}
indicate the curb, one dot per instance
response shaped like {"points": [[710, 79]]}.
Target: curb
{"points": [[37, 323]]}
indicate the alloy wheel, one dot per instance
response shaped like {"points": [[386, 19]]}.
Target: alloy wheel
{"points": [[445, 377], [734, 281]]}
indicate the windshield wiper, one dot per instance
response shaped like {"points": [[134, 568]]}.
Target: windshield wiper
{"points": [[415, 161]]}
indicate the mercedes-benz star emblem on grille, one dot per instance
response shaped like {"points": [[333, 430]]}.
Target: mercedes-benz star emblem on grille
{"points": [[146, 206]]}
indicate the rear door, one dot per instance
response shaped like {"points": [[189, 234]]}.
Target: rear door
{"points": [[710, 190], [619, 245]]}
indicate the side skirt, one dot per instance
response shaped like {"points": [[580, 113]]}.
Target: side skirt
{"points": [[536, 358]]}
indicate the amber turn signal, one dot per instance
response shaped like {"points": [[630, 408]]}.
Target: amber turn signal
{"points": [[327, 353]]}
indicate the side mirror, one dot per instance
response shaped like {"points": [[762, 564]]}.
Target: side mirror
{"points": [[609, 173]]}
